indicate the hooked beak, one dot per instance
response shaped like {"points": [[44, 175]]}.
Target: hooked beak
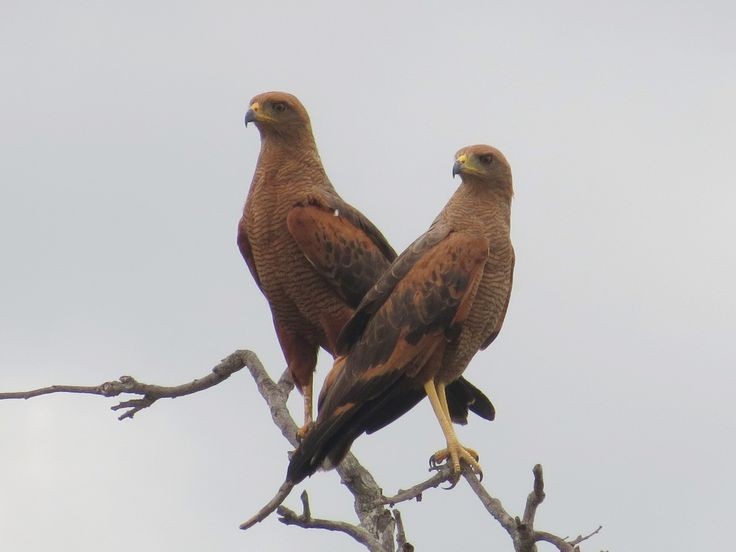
{"points": [[459, 165], [250, 117]]}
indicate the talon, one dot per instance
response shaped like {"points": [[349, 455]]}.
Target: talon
{"points": [[456, 453], [438, 458], [433, 463]]}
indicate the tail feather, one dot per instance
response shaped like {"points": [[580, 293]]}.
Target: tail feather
{"points": [[329, 440], [463, 396], [331, 437]]}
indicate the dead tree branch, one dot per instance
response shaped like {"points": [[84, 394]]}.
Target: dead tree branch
{"points": [[305, 520], [374, 517], [379, 529], [401, 543], [522, 531], [150, 393], [444, 473]]}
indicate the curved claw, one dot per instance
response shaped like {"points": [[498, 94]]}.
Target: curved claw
{"points": [[455, 454], [452, 481], [433, 464]]}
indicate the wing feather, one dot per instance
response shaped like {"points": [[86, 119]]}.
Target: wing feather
{"points": [[342, 245], [407, 330], [246, 251], [383, 288]]}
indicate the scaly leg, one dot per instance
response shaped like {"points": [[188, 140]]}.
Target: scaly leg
{"points": [[438, 458], [301, 358], [454, 451], [302, 431], [443, 399]]}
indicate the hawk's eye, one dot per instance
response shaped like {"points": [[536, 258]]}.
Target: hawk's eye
{"points": [[279, 107], [486, 159]]}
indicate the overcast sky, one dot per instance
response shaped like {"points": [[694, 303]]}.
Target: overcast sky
{"points": [[124, 165]]}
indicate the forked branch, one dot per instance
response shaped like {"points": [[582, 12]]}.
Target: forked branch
{"points": [[379, 529]]}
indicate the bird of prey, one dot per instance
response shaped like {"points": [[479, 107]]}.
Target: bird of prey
{"points": [[416, 330], [312, 255]]}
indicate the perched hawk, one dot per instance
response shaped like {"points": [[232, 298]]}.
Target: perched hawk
{"points": [[312, 255], [416, 330]]}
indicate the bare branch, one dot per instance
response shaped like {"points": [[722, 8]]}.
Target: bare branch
{"points": [[401, 543], [306, 510], [289, 517], [577, 540], [374, 518], [106, 389], [536, 497], [367, 501], [493, 505], [275, 395], [444, 473], [377, 525], [522, 531], [561, 544], [270, 506], [150, 393]]}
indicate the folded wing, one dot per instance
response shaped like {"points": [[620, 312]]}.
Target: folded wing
{"points": [[396, 339]]}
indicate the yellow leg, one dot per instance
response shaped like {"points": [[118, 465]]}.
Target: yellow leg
{"points": [[302, 431], [454, 451], [440, 387], [442, 395]]}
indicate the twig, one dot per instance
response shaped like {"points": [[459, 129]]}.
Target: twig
{"points": [[401, 543], [270, 506], [577, 540], [526, 538], [306, 510], [536, 497], [150, 393], [289, 517], [444, 473]]}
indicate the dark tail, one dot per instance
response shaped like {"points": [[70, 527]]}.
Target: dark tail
{"points": [[330, 438], [463, 396], [325, 446]]}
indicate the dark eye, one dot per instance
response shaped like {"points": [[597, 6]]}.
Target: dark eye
{"points": [[279, 107], [486, 159]]}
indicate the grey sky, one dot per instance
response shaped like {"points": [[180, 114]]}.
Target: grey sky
{"points": [[123, 167]]}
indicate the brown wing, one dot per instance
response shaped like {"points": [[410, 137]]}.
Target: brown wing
{"points": [[343, 247], [378, 294], [245, 249], [424, 310]]}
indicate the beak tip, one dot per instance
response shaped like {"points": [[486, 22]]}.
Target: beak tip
{"points": [[250, 117]]}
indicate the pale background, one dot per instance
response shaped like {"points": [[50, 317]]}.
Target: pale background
{"points": [[123, 167]]}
